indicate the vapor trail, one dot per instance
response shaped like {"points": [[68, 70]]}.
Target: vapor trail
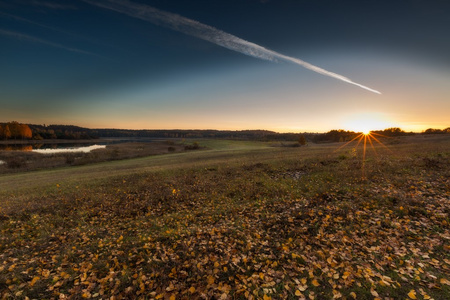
{"points": [[24, 37], [210, 34]]}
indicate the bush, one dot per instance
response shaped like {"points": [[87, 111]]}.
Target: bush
{"points": [[70, 159], [194, 146], [16, 162]]}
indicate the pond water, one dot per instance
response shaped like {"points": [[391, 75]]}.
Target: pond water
{"points": [[84, 149], [52, 148]]}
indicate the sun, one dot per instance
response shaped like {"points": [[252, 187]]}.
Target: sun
{"points": [[367, 122]]}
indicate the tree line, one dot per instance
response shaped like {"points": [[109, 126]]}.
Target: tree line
{"points": [[15, 130]]}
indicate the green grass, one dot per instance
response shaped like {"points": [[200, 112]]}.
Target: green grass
{"points": [[239, 220]]}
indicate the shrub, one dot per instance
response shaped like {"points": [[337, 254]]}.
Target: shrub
{"points": [[15, 162]]}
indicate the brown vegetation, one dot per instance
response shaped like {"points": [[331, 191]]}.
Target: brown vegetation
{"points": [[273, 223], [16, 161]]}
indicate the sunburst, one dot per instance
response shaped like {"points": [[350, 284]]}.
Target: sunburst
{"points": [[366, 138]]}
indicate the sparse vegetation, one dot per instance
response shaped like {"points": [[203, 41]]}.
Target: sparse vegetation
{"points": [[17, 161], [238, 221]]}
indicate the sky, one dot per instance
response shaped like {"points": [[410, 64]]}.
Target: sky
{"points": [[281, 65]]}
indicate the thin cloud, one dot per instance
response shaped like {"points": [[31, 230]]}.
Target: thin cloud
{"points": [[53, 5], [28, 38], [20, 19], [210, 34], [17, 18]]}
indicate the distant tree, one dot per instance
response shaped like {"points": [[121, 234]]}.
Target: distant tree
{"points": [[393, 131], [25, 131], [434, 131], [14, 128], [302, 140], [6, 132]]}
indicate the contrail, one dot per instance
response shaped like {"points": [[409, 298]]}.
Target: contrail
{"points": [[24, 37], [210, 34]]}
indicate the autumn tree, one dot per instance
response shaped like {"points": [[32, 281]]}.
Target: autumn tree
{"points": [[6, 133], [25, 131], [15, 130]]}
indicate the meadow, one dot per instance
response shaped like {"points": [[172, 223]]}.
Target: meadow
{"points": [[237, 220]]}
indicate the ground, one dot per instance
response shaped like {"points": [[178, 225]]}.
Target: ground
{"points": [[242, 220]]}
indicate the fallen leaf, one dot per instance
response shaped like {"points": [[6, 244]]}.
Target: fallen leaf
{"points": [[315, 282], [412, 294]]}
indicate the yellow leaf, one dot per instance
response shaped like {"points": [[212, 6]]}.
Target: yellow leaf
{"points": [[210, 280], [33, 281], [353, 295], [267, 297], [172, 297], [315, 282], [261, 275], [346, 274], [298, 293], [159, 296], [192, 290], [412, 294], [444, 281]]}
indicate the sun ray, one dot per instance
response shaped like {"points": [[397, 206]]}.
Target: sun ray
{"points": [[365, 139], [369, 136], [348, 142], [379, 142], [360, 139]]}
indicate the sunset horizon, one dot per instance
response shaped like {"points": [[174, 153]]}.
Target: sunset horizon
{"points": [[274, 65]]}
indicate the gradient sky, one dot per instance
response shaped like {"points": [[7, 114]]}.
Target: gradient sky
{"points": [[73, 62]]}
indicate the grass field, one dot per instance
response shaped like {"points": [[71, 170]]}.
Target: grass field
{"points": [[241, 220]]}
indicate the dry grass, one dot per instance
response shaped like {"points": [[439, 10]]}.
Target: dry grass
{"points": [[20, 161], [246, 222]]}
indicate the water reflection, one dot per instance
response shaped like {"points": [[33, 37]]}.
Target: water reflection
{"points": [[16, 147], [51, 148], [85, 149]]}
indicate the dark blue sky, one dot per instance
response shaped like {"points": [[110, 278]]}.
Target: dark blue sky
{"points": [[75, 62]]}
